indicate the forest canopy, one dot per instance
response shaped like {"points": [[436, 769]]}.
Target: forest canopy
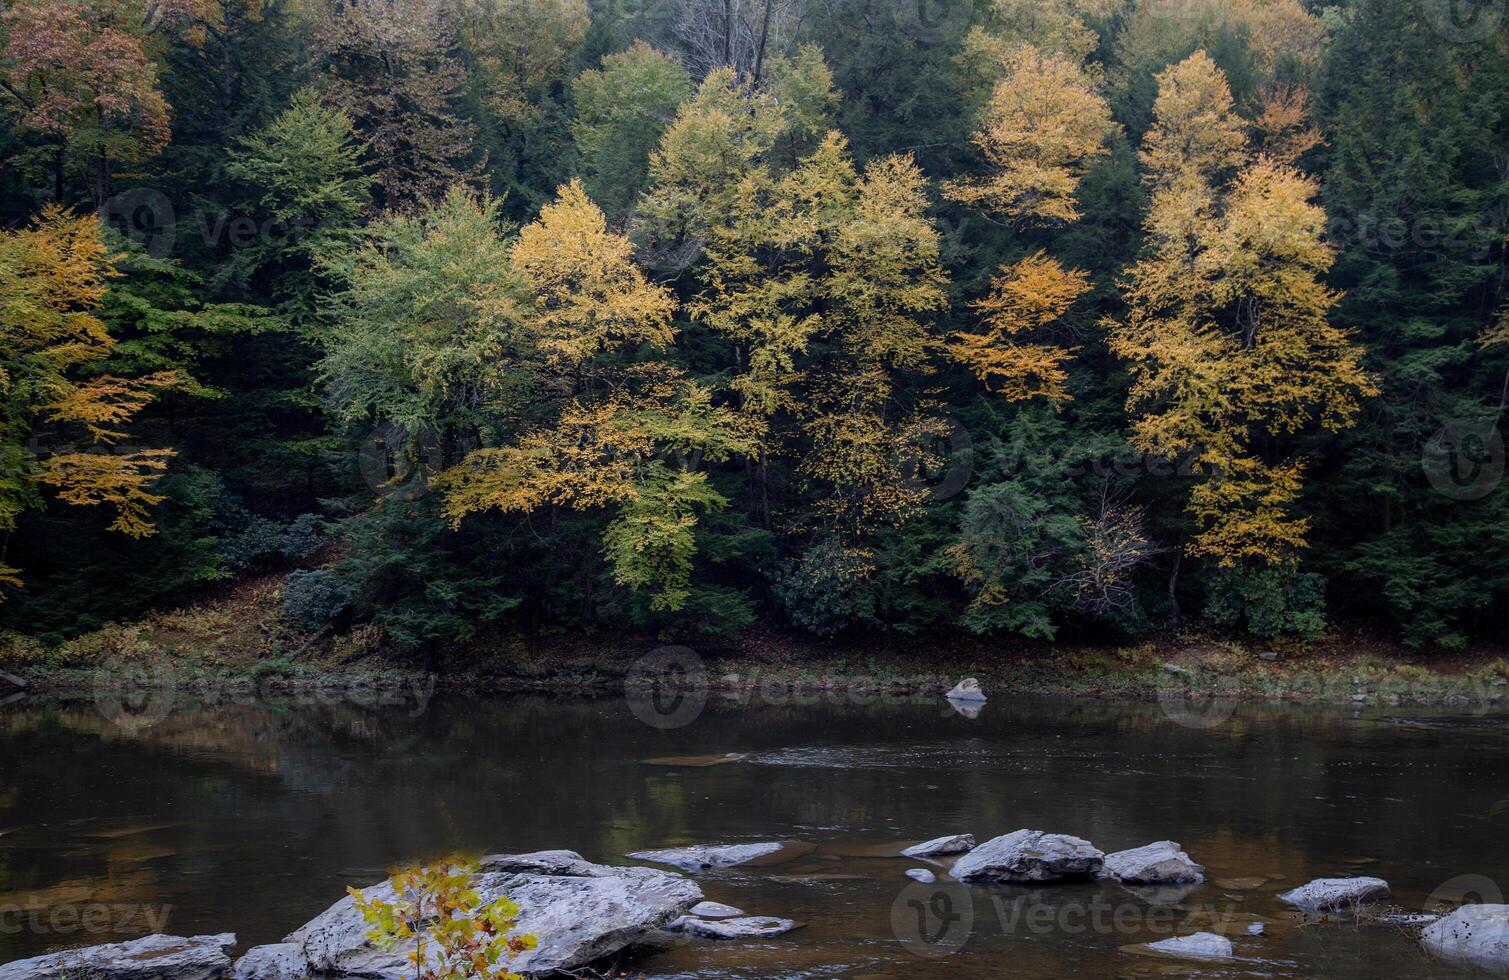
{"points": [[1017, 318]]}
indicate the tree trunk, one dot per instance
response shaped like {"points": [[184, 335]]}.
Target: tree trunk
{"points": [[1173, 589]]}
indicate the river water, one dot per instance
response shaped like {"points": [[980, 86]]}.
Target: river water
{"points": [[253, 815]]}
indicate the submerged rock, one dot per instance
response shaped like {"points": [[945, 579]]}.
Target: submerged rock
{"points": [[1200, 946], [701, 857], [1336, 894], [939, 846], [577, 918], [1160, 863], [1473, 934], [967, 689], [1029, 856], [748, 927], [279, 961], [921, 874], [148, 958], [714, 910]]}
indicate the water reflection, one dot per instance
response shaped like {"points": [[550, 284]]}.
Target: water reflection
{"points": [[252, 817]]}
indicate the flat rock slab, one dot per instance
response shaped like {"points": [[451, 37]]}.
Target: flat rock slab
{"points": [[941, 846], [704, 857], [567, 864], [1200, 946], [576, 918], [279, 961], [1160, 863], [748, 927], [149, 958], [1473, 934], [714, 910], [1029, 856], [1336, 894]]}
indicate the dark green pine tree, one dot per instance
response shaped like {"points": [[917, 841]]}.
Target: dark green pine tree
{"points": [[1415, 189]]}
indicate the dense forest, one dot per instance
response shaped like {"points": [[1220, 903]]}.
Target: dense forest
{"points": [[1021, 318]]}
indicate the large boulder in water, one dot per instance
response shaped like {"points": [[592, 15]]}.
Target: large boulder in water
{"points": [[577, 919], [279, 961], [1336, 894], [702, 857], [1029, 856], [1473, 934], [1160, 863], [149, 958]]}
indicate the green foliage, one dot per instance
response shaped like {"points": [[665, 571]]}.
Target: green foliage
{"points": [[312, 599], [1268, 602], [438, 918], [621, 110]]}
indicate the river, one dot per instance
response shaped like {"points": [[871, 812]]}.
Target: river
{"points": [[251, 815]]}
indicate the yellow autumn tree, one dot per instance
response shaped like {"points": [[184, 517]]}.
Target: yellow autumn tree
{"points": [[53, 276], [1228, 333], [1025, 299], [1043, 125], [622, 417], [826, 281]]}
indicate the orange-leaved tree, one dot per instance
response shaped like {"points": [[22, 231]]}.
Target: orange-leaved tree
{"points": [[53, 275]]}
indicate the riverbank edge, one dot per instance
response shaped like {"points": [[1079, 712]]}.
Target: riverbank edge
{"points": [[1176, 673], [237, 641]]}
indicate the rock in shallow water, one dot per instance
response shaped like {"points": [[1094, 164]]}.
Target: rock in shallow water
{"points": [[714, 910], [1473, 934], [1160, 863], [701, 857], [279, 961], [749, 927], [1029, 856], [577, 918], [148, 958], [967, 689], [1200, 946], [921, 874], [938, 846], [1336, 894]]}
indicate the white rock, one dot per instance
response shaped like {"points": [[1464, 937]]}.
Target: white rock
{"points": [[1255, 929], [938, 846], [1200, 946], [149, 958], [749, 927], [1474, 934], [714, 910], [921, 874], [1029, 855], [1160, 863], [1335, 894], [967, 689], [701, 857], [279, 961], [577, 919]]}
